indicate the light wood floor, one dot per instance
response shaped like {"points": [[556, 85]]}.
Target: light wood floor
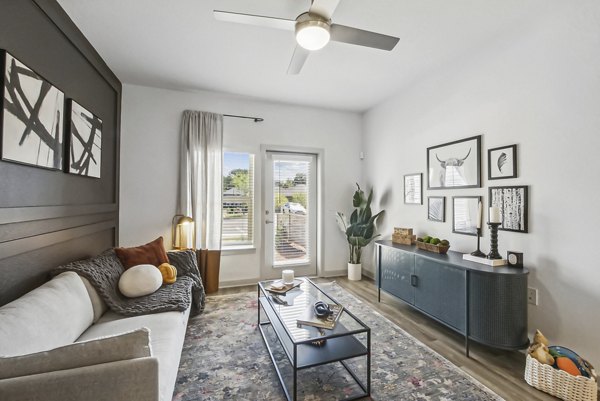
{"points": [[501, 371]]}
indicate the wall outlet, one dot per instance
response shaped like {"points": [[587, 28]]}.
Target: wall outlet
{"points": [[532, 296]]}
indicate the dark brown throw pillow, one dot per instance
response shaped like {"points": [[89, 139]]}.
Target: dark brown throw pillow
{"points": [[152, 253]]}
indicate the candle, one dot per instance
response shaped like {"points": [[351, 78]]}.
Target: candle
{"points": [[287, 276], [479, 215], [495, 214]]}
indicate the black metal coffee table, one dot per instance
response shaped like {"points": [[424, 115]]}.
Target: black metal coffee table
{"points": [[349, 339]]}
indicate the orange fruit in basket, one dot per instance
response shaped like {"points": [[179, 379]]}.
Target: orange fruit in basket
{"points": [[567, 365]]}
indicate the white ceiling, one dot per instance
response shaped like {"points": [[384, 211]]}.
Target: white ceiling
{"points": [[179, 45]]}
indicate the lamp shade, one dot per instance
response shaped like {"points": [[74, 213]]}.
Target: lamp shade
{"points": [[183, 232], [312, 35], [183, 220]]}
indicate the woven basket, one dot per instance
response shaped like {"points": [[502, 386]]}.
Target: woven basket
{"points": [[559, 383], [433, 248]]}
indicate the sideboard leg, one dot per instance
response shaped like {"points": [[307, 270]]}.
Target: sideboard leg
{"points": [[467, 309]]}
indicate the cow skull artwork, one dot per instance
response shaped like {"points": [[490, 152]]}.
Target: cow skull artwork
{"points": [[452, 174], [455, 164]]}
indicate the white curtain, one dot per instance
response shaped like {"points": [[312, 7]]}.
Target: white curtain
{"points": [[200, 175]]}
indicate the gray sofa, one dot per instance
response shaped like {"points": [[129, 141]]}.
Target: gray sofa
{"points": [[59, 342]]}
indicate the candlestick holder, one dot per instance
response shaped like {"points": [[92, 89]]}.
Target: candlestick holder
{"points": [[494, 241], [478, 252]]}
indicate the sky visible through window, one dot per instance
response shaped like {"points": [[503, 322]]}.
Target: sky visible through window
{"points": [[287, 170], [233, 161]]}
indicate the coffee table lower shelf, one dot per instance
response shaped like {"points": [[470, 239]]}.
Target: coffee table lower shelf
{"points": [[302, 355]]}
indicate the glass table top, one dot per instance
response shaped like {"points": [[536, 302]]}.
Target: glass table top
{"points": [[297, 301]]}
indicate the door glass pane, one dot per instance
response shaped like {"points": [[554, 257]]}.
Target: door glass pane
{"points": [[292, 211]]}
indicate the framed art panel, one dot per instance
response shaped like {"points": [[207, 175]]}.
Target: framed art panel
{"points": [[502, 162], [436, 208], [455, 164], [85, 141], [513, 204], [32, 116], [465, 214], [413, 189]]}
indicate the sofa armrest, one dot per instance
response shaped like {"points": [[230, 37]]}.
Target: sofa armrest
{"points": [[128, 380]]}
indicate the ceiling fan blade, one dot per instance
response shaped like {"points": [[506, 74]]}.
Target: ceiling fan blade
{"points": [[355, 36], [298, 59], [258, 20], [324, 8]]}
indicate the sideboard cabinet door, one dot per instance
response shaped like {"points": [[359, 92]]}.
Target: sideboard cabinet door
{"points": [[498, 313], [396, 269], [441, 292]]}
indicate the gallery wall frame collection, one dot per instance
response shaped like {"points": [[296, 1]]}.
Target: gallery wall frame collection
{"points": [[37, 125], [457, 165]]}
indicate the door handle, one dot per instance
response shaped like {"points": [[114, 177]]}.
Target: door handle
{"points": [[414, 280], [269, 222]]}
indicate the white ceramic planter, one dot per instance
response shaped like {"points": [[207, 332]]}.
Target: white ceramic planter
{"points": [[354, 271]]}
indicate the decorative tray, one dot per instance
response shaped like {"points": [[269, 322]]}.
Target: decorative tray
{"points": [[285, 288], [433, 248]]}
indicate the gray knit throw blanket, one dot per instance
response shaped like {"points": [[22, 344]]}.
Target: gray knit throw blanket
{"points": [[104, 271]]}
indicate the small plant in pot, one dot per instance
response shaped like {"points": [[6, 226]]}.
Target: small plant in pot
{"points": [[359, 230]]}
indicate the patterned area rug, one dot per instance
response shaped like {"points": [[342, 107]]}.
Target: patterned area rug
{"points": [[224, 358]]}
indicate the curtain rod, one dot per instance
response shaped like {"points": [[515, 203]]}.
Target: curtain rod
{"points": [[256, 119]]}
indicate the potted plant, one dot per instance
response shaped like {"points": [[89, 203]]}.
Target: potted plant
{"points": [[359, 230]]}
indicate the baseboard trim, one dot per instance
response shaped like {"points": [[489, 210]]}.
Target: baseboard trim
{"points": [[238, 283], [369, 274], [334, 273]]}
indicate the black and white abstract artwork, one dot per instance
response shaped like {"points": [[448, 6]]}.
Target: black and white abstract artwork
{"points": [[455, 164], [85, 142], [413, 189], [502, 162], [32, 117], [436, 208], [465, 214], [513, 205]]}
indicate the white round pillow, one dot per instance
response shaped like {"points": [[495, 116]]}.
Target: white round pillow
{"points": [[140, 280]]}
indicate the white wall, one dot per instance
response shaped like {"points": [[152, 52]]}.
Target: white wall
{"points": [[149, 163], [538, 87]]}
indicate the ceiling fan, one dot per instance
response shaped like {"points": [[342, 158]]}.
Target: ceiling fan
{"points": [[314, 30]]}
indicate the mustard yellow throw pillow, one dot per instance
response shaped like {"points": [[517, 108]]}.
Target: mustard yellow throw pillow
{"points": [[169, 273]]}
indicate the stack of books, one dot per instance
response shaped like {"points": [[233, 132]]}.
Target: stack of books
{"points": [[309, 318]]}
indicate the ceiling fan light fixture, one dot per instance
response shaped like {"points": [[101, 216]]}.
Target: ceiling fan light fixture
{"points": [[312, 34]]}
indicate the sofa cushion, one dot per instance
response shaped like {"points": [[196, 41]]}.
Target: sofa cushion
{"points": [[152, 253], [129, 380], [140, 280], [50, 316], [167, 332], [120, 347], [98, 303]]}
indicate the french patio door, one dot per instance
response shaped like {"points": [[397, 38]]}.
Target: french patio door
{"points": [[290, 214]]}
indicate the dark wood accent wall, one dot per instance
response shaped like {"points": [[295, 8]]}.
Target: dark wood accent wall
{"points": [[47, 217]]}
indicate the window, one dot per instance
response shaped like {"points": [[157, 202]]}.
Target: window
{"points": [[238, 200]]}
